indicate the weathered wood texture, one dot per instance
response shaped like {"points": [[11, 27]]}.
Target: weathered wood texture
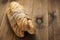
{"points": [[54, 24], [48, 11], [40, 10]]}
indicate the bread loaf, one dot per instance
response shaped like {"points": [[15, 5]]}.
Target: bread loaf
{"points": [[19, 21]]}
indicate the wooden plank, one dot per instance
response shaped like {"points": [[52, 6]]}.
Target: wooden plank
{"points": [[51, 19], [40, 10], [54, 33], [2, 7], [57, 27]]}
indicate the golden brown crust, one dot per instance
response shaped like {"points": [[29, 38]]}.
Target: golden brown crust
{"points": [[19, 24], [31, 29]]}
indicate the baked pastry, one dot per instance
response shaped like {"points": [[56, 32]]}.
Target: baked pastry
{"points": [[20, 22]]}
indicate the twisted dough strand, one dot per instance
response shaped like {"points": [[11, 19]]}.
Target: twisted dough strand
{"points": [[19, 21]]}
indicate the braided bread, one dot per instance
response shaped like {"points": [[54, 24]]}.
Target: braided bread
{"points": [[19, 21]]}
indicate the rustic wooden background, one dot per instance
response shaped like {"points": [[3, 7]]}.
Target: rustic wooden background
{"points": [[54, 24], [47, 11]]}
